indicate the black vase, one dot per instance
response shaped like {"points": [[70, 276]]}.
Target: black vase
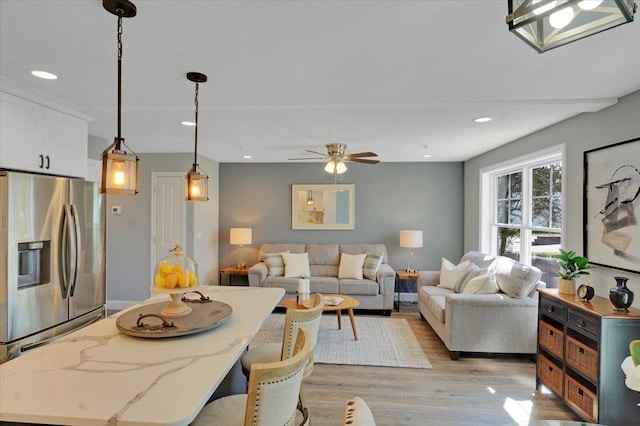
{"points": [[621, 297]]}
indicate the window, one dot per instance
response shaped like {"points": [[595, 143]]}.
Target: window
{"points": [[521, 205]]}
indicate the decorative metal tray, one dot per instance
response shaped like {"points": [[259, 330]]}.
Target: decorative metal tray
{"points": [[146, 321]]}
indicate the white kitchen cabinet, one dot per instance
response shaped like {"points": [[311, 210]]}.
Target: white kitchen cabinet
{"points": [[36, 138]]}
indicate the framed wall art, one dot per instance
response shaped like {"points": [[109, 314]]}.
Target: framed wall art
{"points": [[323, 207], [612, 205]]}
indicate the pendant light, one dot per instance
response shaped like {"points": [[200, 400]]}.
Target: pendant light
{"points": [[197, 183], [119, 169]]}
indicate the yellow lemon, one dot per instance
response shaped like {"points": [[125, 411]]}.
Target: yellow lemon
{"points": [[165, 268], [182, 280], [192, 278], [159, 281], [178, 268], [170, 280]]}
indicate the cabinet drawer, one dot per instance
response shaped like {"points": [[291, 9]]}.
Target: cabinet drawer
{"points": [[581, 399], [582, 358], [550, 374], [583, 322], [553, 309], [551, 338]]}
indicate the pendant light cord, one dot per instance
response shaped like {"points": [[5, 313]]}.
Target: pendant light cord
{"points": [[195, 153], [120, 13]]}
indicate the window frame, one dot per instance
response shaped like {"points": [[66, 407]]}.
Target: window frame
{"points": [[488, 227]]}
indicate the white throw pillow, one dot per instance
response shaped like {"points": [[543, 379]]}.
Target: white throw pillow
{"points": [[472, 272], [351, 266], [451, 274], [296, 265], [483, 284]]}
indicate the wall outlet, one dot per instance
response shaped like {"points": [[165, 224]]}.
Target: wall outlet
{"points": [[117, 210]]}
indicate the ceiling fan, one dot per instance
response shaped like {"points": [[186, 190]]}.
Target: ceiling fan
{"points": [[337, 156]]}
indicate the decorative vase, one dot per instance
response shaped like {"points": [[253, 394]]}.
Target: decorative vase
{"points": [[621, 297], [566, 286]]}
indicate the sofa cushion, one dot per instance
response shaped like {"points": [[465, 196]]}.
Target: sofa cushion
{"points": [[436, 305], [323, 254], [515, 278], [296, 265], [351, 266], [371, 265], [324, 285], [275, 264], [482, 284], [358, 287], [451, 274]]}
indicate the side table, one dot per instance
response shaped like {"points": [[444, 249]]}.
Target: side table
{"points": [[408, 277], [233, 271]]}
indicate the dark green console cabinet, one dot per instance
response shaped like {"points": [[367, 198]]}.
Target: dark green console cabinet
{"points": [[581, 346]]}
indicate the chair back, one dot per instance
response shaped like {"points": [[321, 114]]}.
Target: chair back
{"points": [[306, 318], [357, 413], [274, 387]]}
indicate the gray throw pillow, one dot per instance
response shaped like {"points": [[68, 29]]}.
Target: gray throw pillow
{"points": [[371, 265]]}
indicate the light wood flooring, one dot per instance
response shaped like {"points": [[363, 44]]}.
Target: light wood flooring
{"points": [[475, 390]]}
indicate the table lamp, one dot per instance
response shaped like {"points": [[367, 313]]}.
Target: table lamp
{"points": [[239, 237], [410, 239]]}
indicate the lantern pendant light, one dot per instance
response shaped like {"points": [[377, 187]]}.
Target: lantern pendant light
{"points": [[119, 168], [197, 183]]}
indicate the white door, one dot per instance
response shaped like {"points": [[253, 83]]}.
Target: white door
{"points": [[168, 215]]}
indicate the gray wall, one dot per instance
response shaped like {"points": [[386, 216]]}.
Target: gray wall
{"points": [[389, 197], [95, 146], [129, 235], [617, 123]]}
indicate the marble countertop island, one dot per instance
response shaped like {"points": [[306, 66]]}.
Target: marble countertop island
{"points": [[99, 376]]}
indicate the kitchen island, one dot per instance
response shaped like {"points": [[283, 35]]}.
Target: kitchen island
{"points": [[99, 376]]}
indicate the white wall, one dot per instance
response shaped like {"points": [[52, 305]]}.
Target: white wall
{"points": [[617, 123]]}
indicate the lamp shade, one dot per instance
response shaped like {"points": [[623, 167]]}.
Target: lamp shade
{"points": [[240, 236], [410, 239], [545, 24]]}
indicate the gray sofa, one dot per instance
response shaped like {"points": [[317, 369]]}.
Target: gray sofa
{"points": [[324, 262], [490, 323]]}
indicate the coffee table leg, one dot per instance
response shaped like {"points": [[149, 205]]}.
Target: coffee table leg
{"points": [[353, 324], [339, 319]]}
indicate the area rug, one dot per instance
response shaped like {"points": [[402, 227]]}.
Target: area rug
{"points": [[382, 342]]}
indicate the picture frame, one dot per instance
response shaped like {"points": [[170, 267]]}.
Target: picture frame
{"points": [[611, 206], [323, 207]]}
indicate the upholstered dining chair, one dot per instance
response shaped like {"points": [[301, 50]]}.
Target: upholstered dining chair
{"points": [[357, 413], [272, 395], [307, 318]]}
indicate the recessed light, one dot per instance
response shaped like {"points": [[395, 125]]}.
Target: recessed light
{"points": [[44, 74], [482, 119], [247, 157], [426, 155], [187, 123]]}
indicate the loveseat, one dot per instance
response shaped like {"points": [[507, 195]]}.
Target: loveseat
{"points": [[487, 304], [324, 268]]}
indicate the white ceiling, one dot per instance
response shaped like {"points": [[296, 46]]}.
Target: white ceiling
{"points": [[284, 76]]}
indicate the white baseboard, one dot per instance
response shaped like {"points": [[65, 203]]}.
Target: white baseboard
{"points": [[118, 305]]}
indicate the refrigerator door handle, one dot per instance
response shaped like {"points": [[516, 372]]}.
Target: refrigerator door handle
{"points": [[62, 250], [76, 247]]}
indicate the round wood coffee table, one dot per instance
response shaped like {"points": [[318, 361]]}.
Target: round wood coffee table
{"points": [[347, 303]]}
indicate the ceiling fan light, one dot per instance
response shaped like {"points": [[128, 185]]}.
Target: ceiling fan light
{"points": [[330, 167], [341, 167]]}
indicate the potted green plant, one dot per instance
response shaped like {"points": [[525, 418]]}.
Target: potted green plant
{"points": [[572, 266]]}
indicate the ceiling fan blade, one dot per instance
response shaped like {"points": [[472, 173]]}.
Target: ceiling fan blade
{"points": [[361, 154], [316, 152], [307, 158], [362, 160]]}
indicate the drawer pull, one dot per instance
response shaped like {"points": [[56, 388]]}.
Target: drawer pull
{"points": [[580, 392], [550, 308], [550, 368], [581, 350], [582, 324]]}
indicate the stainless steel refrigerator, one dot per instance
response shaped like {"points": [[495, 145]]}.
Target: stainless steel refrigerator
{"points": [[52, 259]]}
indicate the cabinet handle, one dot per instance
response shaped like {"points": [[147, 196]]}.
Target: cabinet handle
{"points": [[581, 324], [550, 308], [41, 160], [48, 162]]}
